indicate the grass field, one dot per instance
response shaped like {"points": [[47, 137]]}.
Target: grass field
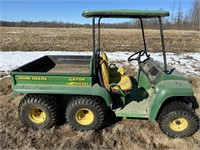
{"points": [[119, 133], [74, 39]]}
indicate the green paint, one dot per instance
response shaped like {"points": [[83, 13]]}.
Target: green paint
{"points": [[136, 104], [174, 75], [101, 92], [124, 13], [131, 115], [52, 89], [146, 98], [165, 90], [58, 85], [53, 80], [143, 81]]}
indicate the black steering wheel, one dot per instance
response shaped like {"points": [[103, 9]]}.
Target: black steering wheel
{"points": [[139, 53]]}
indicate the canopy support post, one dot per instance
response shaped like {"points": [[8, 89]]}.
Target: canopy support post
{"points": [[99, 32], [93, 34], [163, 45], [93, 38], [143, 36]]}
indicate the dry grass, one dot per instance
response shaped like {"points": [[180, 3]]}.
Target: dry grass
{"points": [[72, 39], [124, 134]]}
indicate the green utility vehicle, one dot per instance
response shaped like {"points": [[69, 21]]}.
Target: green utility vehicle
{"points": [[88, 86]]}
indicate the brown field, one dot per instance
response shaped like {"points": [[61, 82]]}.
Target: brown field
{"points": [[119, 133], [80, 39]]}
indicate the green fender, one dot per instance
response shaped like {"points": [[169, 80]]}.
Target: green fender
{"points": [[101, 92], [165, 90]]}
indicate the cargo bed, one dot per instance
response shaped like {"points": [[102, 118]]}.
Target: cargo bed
{"points": [[58, 65], [55, 75]]}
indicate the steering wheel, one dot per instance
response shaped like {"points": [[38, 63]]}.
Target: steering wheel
{"points": [[139, 53]]}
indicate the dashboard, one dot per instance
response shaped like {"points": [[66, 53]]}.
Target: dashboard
{"points": [[152, 69]]}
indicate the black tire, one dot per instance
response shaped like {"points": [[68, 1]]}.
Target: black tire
{"points": [[38, 111], [85, 113], [178, 120]]}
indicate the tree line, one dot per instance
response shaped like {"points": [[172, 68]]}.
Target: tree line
{"points": [[178, 19]]}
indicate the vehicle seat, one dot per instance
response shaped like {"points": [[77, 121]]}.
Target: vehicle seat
{"points": [[122, 86], [113, 69]]}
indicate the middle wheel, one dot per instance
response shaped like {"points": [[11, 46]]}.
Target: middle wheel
{"points": [[85, 113]]}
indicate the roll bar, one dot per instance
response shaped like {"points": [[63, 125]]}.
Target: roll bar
{"points": [[96, 51]]}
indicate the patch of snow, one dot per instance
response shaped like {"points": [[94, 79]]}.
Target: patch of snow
{"points": [[187, 63], [14, 32]]}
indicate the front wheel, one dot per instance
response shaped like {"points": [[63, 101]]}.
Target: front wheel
{"points": [[178, 120], [85, 113]]}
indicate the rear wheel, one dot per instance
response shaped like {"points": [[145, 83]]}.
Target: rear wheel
{"points": [[38, 111], [178, 120], [85, 113]]}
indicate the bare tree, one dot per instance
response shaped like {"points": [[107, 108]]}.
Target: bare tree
{"points": [[179, 16], [172, 14], [195, 15]]}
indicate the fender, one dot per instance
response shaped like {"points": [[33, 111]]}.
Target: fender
{"points": [[101, 92], [165, 90]]}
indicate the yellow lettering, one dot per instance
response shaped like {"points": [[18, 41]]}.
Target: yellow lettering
{"points": [[39, 78], [77, 79], [78, 83], [23, 78]]}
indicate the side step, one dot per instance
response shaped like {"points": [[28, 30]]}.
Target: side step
{"points": [[134, 109]]}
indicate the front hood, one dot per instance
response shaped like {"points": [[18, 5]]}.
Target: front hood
{"points": [[172, 74]]}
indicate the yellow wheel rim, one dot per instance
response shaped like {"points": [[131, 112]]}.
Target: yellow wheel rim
{"points": [[37, 115], [178, 124], [84, 116]]}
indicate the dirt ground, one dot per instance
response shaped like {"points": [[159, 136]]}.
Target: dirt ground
{"points": [[119, 134]]}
